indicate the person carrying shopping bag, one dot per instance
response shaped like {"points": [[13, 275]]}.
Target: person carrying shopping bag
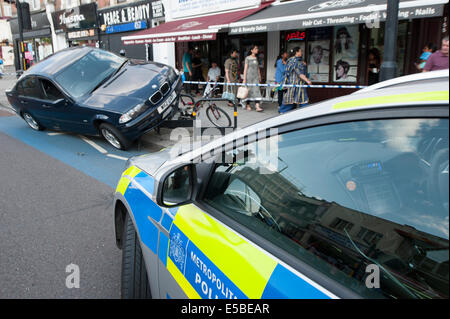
{"points": [[295, 75], [252, 75]]}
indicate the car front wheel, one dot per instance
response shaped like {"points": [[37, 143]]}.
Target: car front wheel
{"points": [[31, 121], [114, 137], [135, 284]]}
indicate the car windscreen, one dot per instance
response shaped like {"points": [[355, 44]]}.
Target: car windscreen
{"points": [[86, 73]]}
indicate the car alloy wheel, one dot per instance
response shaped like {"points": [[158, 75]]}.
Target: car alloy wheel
{"points": [[31, 122], [111, 138]]}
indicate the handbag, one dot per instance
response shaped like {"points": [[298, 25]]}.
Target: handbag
{"points": [[228, 94], [242, 93]]}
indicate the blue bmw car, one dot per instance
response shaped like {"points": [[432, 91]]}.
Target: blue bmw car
{"points": [[95, 92]]}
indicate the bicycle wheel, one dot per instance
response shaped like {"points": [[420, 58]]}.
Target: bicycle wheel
{"points": [[217, 116]]}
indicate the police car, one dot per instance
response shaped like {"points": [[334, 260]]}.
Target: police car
{"points": [[347, 198]]}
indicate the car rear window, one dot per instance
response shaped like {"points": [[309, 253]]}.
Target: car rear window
{"points": [[365, 203]]}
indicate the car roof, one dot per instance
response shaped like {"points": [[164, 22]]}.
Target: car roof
{"points": [[433, 93], [422, 78], [57, 61]]}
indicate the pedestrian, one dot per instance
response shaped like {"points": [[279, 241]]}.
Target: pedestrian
{"points": [[1, 67], [280, 74], [427, 50], [231, 73], [252, 75], [439, 59], [213, 72], [373, 66], [295, 75], [187, 68], [197, 71], [213, 75]]}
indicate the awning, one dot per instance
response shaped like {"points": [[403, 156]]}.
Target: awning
{"points": [[313, 14], [193, 29]]}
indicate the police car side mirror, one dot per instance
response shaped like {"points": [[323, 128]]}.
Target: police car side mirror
{"points": [[176, 187]]}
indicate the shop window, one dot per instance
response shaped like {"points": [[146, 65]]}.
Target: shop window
{"points": [[345, 55], [318, 54], [376, 43]]}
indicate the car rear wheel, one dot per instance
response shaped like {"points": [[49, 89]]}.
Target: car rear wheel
{"points": [[31, 121], [135, 284], [114, 137]]}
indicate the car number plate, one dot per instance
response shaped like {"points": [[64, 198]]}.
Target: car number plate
{"points": [[167, 102]]}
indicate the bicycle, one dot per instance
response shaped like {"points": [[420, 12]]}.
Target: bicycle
{"points": [[190, 109]]}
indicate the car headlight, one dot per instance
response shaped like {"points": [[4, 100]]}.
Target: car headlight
{"points": [[133, 113]]}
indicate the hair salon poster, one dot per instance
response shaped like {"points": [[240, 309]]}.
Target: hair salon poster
{"points": [[345, 61]]}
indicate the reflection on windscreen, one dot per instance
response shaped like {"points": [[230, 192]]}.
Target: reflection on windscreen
{"points": [[350, 195], [85, 74]]}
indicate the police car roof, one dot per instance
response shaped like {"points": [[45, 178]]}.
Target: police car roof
{"points": [[434, 92], [57, 61], [418, 78]]}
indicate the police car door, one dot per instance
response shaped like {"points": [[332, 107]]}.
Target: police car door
{"points": [[326, 215], [206, 258]]}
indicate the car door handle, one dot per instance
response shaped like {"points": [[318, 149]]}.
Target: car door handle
{"points": [[46, 106], [24, 102]]}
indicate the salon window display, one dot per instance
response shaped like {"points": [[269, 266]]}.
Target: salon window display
{"points": [[345, 59], [318, 55], [318, 62]]}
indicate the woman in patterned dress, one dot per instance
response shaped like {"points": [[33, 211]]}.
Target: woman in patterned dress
{"points": [[296, 75], [252, 74]]}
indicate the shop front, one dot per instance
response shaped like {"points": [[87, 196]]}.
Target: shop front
{"points": [[37, 42], [119, 21], [342, 41], [79, 25], [201, 28]]}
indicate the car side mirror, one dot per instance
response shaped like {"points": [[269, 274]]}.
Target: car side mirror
{"points": [[176, 187]]}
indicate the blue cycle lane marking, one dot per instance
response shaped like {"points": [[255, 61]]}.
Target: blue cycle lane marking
{"points": [[98, 159]]}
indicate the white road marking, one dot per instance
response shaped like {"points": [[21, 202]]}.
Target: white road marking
{"points": [[94, 145], [117, 156], [55, 133]]}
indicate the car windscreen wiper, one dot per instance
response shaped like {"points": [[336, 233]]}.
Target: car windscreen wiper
{"points": [[120, 67], [102, 82], [108, 77]]}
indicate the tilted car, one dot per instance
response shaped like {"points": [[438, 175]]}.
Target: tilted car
{"points": [[347, 198], [91, 91]]}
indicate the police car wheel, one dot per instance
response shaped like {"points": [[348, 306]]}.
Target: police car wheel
{"points": [[31, 121], [135, 284], [114, 137]]}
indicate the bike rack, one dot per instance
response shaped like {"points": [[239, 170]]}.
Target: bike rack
{"points": [[190, 122]]}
